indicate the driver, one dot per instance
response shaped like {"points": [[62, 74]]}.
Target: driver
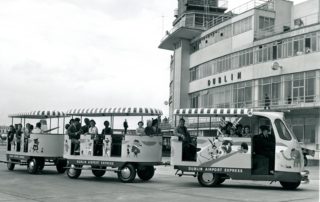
{"points": [[189, 149]]}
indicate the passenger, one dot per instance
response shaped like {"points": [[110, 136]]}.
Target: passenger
{"points": [[38, 128], [232, 133], [85, 128], [107, 130], [264, 144], [148, 130], [66, 127], [78, 124], [246, 131], [155, 128], [140, 129], [11, 133], [27, 132], [97, 139], [189, 149], [125, 126], [239, 129], [31, 128], [74, 135], [228, 127], [18, 136]]}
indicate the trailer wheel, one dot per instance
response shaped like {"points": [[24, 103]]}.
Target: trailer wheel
{"points": [[209, 179], [98, 173], [60, 166], [145, 173], [33, 166], [74, 171], [10, 166], [290, 185], [127, 173]]}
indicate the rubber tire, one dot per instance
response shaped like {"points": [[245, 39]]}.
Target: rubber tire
{"points": [[33, 166], [10, 166], [290, 185], [60, 166], [214, 182], [98, 173], [41, 163], [75, 172], [305, 160], [145, 173], [131, 176]]}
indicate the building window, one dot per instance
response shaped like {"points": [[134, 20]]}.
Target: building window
{"points": [[194, 101], [269, 87], [242, 94], [243, 25], [266, 23]]}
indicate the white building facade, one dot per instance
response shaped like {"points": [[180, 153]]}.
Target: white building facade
{"points": [[237, 58]]}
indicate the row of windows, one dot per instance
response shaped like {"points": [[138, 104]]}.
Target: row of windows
{"points": [[299, 87], [223, 33], [299, 45]]}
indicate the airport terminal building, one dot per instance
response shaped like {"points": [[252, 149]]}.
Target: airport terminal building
{"points": [[264, 49]]}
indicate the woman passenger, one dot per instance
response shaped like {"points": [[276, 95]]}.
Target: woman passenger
{"points": [[97, 139], [140, 129], [247, 132], [18, 137], [27, 132]]}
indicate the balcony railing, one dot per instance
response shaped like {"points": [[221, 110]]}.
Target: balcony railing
{"points": [[296, 24], [257, 4]]}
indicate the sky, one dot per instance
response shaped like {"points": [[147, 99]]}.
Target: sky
{"points": [[66, 54]]}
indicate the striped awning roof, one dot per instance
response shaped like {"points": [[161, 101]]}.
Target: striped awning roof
{"points": [[116, 111], [39, 114], [213, 111]]}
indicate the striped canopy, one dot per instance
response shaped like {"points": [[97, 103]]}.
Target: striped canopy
{"points": [[39, 115], [117, 111], [213, 112]]}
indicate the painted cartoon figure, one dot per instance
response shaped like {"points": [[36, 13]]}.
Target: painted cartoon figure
{"points": [[106, 146], [35, 145], [135, 148], [295, 156], [66, 146], [128, 150]]}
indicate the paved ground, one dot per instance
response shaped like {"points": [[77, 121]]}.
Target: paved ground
{"points": [[17, 185]]}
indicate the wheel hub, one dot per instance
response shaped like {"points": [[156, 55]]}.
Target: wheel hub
{"points": [[207, 177], [125, 172]]}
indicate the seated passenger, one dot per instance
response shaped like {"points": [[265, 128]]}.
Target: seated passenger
{"points": [[74, 135], [246, 131], [85, 128], [11, 133], [239, 129], [38, 129], [140, 129], [44, 126], [107, 130], [232, 133], [155, 128], [264, 144], [148, 130], [18, 136], [189, 149]]}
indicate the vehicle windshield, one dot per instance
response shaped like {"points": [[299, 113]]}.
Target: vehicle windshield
{"points": [[282, 130]]}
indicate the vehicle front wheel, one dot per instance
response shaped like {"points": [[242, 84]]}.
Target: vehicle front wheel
{"points": [[74, 171], [209, 179], [60, 166], [127, 173], [290, 185], [33, 166], [145, 173], [98, 173], [10, 166]]}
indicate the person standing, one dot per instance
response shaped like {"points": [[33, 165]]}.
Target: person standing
{"points": [[11, 133], [18, 136], [266, 102], [85, 128], [189, 150], [125, 126], [74, 135]]}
